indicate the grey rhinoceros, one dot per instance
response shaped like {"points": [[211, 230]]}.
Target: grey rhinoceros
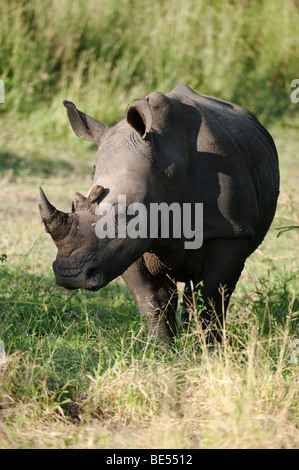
{"points": [[181, 147]]}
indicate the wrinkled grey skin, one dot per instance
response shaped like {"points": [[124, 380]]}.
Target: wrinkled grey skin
{"points": [[180, 147]]}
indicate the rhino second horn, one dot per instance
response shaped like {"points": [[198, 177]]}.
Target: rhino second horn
{"points": [[80, 202], [56, 222]]}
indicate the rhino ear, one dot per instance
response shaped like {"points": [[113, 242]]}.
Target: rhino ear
{"points": [[83, 124], [140, 118]]}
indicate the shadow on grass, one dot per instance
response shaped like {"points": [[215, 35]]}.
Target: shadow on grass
{"points": [[58, 341], [277, 304], [33, 308], [58, 337], [33, 165], [271, 307]]}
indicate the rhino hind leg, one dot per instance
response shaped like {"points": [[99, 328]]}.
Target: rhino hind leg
{"points": [[156, 295], [223, 265]]}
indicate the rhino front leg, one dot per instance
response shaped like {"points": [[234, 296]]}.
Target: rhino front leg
{"points": [[155, 293], [223, 264]]}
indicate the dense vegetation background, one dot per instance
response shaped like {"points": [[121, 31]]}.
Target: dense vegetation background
{"points": [[79, 371], [105, 53]]}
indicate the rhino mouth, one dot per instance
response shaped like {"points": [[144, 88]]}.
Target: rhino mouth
{"points": [[91, 277]]}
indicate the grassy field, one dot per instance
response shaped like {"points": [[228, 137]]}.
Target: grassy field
{"points": [[80, 371]]}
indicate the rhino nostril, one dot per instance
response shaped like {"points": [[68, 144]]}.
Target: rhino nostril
{"points": [[92, 282], [94, 277]]}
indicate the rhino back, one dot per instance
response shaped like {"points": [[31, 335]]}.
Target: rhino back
{"points": [[233, 170]]}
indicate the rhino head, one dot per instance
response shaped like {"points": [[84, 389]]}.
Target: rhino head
{"points": [[124, 165], [77, 263]]}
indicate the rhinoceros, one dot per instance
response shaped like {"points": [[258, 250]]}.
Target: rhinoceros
{"points": [[183, 148]]}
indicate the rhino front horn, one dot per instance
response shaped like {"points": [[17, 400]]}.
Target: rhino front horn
{"points": [[56, 222]]}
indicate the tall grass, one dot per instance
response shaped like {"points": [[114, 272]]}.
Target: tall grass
{"points": [[105, 54], [72, 359], [79, 370]]}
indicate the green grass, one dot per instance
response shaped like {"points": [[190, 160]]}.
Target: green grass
{"points": [[80, 370], [77, 359]]}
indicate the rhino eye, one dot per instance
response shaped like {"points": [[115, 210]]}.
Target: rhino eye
{"points": [[93, 171]]}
